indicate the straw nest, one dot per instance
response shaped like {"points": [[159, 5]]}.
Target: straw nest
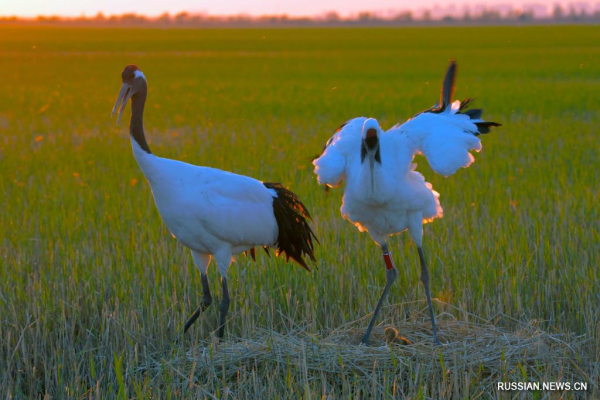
{"points": [[486, 351]]}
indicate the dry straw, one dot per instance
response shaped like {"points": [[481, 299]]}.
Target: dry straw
{"points": [[472, 359]]}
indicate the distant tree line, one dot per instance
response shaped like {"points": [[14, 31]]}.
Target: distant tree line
{"points": [[576, 13]]}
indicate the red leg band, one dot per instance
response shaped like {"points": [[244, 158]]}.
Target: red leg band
{"points": [[389, 263]]}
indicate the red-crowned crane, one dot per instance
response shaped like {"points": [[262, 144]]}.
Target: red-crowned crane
{"points": [[384, 194], [215, 213]]}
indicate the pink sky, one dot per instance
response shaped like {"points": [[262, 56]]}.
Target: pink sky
{"points": [[28, 8]]}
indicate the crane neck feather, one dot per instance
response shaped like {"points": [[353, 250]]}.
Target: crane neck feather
{"points": [[136, 124]]}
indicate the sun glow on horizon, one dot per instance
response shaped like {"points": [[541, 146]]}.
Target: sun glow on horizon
{"points": [[151, 8]]}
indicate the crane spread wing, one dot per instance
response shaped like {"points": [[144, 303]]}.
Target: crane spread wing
{"points": [[444, 134], [345, 143]]}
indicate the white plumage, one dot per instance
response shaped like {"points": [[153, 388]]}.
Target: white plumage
{"points": [[210, 211], [384, 195], [216, 214]]}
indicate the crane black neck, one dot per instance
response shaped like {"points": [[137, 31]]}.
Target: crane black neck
{"points": [[136, 124]]}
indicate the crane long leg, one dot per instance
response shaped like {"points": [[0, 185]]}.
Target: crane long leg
{"points": [[425, 280], [390, 276], [206, 301], [223, 308]]}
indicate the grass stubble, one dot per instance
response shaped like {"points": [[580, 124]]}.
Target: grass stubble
{"points": [[94, 290]]}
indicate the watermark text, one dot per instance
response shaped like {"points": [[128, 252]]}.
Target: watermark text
{"points": [[548, 386]]}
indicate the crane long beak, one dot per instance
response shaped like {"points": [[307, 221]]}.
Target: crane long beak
{"points": [[124, 96]]}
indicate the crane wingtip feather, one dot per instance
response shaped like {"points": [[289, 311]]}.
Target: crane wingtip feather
{"points": [[448, 85]]}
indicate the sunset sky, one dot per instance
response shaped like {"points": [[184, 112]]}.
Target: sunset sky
{"points": [[28, 8]]}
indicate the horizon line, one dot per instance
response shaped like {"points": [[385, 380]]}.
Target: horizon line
{"points": [[449, 10]]}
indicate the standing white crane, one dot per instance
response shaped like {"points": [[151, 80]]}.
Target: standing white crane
{"points": [[384, 194], [215, 213]]}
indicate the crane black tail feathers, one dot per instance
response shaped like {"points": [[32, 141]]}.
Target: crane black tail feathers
{"points": [[295, 237], [476, 113]]}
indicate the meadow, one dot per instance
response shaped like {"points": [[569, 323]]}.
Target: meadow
{"points": [[93, 289]]}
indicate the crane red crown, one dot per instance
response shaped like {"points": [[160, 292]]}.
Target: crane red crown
{"points": [[128, 71]]}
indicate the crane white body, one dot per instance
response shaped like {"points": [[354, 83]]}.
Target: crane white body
{"points": [[210, 211], [395, 197]]}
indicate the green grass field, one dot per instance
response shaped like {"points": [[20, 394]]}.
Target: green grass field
{"points": [[93, 289]]}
